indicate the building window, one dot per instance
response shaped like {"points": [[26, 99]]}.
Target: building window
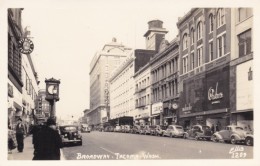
{"points": [[199, 30], [211, 23], [244, 44], [220, 17], [244, 13], [210, 51], [185, 41], [192, 61], [221, 45], [199, 55], [192, 35], [185, 64]]}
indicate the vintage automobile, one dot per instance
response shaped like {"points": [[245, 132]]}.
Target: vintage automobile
{"points": [[147, 129], [126, 129], [85, 128], [70, 134], [160, 130], [135, 129], [174, 131], [249, 140], [117, 129], [198, 132], [141, 129], [231, 133], [153, 130]]}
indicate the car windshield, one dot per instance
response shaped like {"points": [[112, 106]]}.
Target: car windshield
{"points": [[205, 127], [70, 128], [179, 127], [239, 128]]}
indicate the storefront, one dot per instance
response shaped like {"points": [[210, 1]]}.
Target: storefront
{"points": [[205, 100], [242, 115], [143, 116], [156, 115], [170, 112]]}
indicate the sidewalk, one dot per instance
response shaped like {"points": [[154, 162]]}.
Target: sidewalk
{"points": [[27, 153]]}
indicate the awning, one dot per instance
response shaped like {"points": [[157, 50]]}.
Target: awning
{"points": [[155, 115], [242, 111]]}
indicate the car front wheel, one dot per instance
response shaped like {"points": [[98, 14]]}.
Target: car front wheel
{"points": [[214, 138], [233, 140], [249, 141]]}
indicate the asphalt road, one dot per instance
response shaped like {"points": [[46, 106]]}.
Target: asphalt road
{"points": [[124, 146]]}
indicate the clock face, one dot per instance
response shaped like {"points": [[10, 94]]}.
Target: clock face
{"points": [[50, 89], [174, 105]]}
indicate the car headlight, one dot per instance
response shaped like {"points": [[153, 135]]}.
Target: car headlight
{"points": [[75, 133], [65, 135]]}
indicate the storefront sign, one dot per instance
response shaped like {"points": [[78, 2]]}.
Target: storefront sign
{"points": [[187, 108], [213, 94], [217, 92], [157, 108], [25, 46]]}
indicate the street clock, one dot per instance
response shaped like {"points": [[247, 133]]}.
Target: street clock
{"points": [[52, 89]]}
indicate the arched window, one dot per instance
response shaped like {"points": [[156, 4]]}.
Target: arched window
{"points": [[199, 30], [220, 17], [210, 22], [192, 35], [185, 41]]}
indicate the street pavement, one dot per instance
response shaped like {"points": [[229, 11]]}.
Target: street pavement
{"points": [[120, 146], [27, 153]]}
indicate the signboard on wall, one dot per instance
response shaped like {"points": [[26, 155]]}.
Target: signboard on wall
{"points": [[217, 89], [244, 86], [157, 108]]}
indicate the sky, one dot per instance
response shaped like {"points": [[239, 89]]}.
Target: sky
{"points": [[67, 35], [66, 39]]}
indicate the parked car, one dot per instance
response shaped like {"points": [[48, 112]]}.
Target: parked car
{"points": [[198, 132], [174, 131], [141, 130], [117, 129], [249, 140], [111, 128], [160, 130], [231, 133], [126, 129], [85, 128], [147, 129], [135, 129], [70, 134], [153, 130]]}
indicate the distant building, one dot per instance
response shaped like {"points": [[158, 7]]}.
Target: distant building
{"points": [[123, 84], [103, 63]]}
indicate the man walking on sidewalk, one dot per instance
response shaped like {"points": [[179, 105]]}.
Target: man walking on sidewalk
{"points": [[47, 142], [20, 135]]}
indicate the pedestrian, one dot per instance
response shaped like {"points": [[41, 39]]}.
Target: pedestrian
{"points": [[20, 135], [47, 142], [12, 143]]}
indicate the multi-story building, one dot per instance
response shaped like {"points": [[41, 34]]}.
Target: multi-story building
{"points": [[22, 77], [164, 73], [123, 80], [142, 95], [103, 63], [241, 68], [205, 53]]}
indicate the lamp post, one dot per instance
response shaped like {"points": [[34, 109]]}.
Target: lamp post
{"points": [[52, 95]]}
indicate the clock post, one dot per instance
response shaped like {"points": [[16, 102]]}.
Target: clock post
{"points": [[52, 95]]}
